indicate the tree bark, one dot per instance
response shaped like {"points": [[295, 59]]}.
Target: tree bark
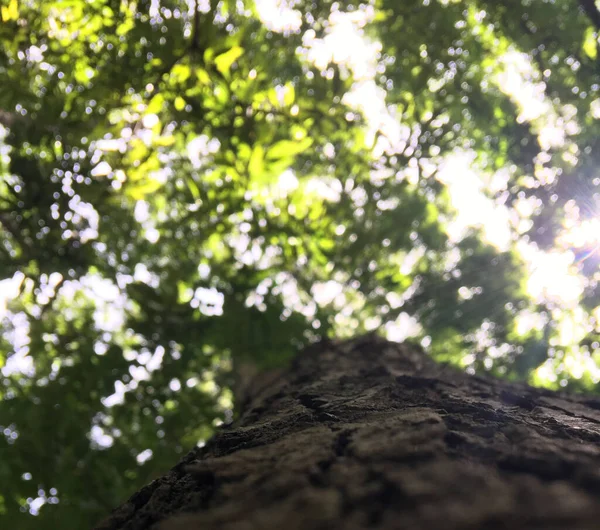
{"points": [[372, 434]]}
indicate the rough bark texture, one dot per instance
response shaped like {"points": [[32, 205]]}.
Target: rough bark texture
{"points": [[371, 434]]}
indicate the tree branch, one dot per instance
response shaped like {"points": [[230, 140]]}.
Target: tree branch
{"points": [[7, 118], [195, 44], [593, 13]]}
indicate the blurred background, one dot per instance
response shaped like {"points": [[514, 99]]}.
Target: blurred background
{"points": [[186, 185]]}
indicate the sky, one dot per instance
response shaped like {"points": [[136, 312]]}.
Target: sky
{"points": [[552, 275], [346, 44]]}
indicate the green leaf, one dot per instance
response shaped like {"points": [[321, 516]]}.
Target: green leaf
{"points": [[180, 73], [256, 165], [590, 43], [179, 103], [164, 141], [184, 293], [142, 188], [290, 95], [202, 76], [125, 27], [224, 61], [288, 148], [194, 190], [10, 12], [156, 104]]}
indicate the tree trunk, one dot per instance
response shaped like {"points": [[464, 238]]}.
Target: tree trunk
{"points": [[371, 434]]}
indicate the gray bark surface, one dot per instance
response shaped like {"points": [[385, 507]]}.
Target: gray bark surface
{"points": [[371, 434]]}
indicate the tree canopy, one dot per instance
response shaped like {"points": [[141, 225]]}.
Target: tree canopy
{"points": [[187, 185]]}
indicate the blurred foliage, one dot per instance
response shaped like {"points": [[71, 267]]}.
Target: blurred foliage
{"points": [[186, 185]]}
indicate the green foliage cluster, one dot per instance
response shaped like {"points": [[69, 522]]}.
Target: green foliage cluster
{"points": [[179, 181]]}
